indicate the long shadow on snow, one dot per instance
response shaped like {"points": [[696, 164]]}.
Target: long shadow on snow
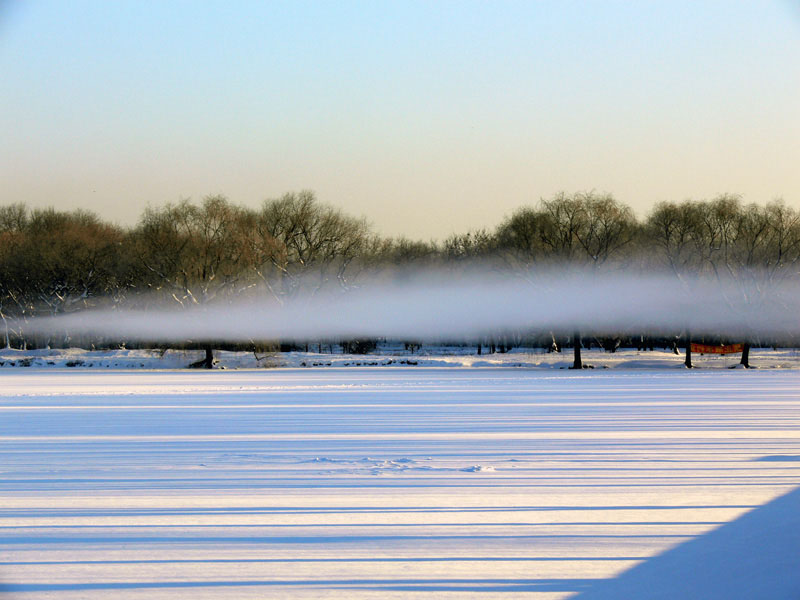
{"points": [[485, 585], [46, 539], [280, 510], [398, 559], [755, 556]]}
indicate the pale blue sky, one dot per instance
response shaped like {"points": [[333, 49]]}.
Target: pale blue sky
{"points": [[425, 117]]}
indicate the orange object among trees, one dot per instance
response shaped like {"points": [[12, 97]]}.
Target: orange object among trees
{"points": [[727, 349]]}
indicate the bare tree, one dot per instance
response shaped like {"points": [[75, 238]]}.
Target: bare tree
{"points": [[54, 262], [608, 231], [298, 237], [193, 254], [586, 230], [674, 238]]}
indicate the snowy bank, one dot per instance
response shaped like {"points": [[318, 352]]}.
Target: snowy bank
{"points": [[388, 356]]}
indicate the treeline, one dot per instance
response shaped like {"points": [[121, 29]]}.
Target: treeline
{"points": [[53, 262]]}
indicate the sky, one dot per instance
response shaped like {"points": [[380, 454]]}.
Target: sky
{"points": [[427, 118]]}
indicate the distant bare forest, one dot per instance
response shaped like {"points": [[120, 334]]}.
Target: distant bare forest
{"points": [[54, 262]]}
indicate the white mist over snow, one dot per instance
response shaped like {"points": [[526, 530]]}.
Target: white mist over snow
{"points": [[433, 305]]}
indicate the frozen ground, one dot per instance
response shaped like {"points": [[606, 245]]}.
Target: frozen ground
{"points": [[380, 483]]}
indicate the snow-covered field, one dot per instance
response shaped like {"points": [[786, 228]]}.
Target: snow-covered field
{"points": [[387, 482]]}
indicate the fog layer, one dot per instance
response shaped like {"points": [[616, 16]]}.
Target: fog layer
{"points": [[431, 305]]}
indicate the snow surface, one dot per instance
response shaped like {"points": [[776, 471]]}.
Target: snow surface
{"points": [[414, 482]]}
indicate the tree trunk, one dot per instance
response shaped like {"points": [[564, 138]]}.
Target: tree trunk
{"points": [[688, 360], [205, 363], [576, 342], [208, 362], [8, 338], [480, 349], [554, 346], [745, 356]]}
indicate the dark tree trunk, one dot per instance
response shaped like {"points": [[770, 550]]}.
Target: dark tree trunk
{"points": [[577, 363], [688, 360], [480, 349], [208, 362], [745, 356], [205, 363]]}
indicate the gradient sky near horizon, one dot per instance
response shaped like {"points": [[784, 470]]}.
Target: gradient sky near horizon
{"points": [[427, 118]]}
